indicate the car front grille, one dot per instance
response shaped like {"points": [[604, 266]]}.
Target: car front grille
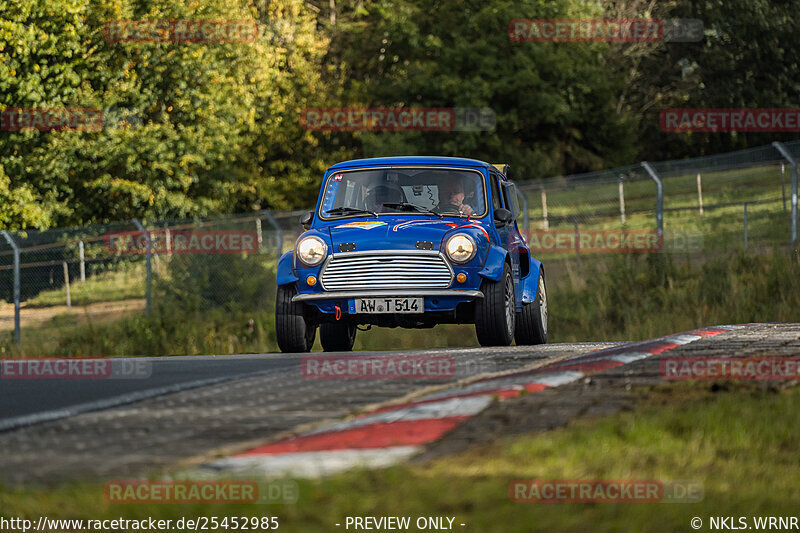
{"points": [[394, 270]]}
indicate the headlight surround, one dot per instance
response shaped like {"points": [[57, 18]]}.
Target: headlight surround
{"points": [[461, 248], [312, 250]]}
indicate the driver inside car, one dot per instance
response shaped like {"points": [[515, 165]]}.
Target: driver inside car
{"points": [[381, 194], [451, 198]]}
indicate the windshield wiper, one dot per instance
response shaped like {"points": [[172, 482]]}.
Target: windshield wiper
{"points": [[406, 206], [350, 210]]}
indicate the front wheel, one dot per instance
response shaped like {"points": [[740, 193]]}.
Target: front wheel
{"points": [[294, 332], [337, 337], [495, 312], [532, 320]]}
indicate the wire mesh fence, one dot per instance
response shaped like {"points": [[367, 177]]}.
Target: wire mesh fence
{"points": [[738, 199], [60, 287], [69, 277]]}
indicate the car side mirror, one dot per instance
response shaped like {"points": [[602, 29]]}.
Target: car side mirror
{"points": [[502, 217], [305, 219]]}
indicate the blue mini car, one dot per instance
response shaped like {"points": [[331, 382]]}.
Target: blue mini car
{"points": [[411, 242]]}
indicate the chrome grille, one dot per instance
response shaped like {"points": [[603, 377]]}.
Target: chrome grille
{"points": [[393, 270]]}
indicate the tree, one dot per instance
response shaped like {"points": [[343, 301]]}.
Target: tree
{"points": [[747, 59], [206, 126], [554, 102]]}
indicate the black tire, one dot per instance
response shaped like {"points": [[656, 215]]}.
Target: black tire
{"points": [[532, 321], [495, 312], [294, 332], [337, 336]]}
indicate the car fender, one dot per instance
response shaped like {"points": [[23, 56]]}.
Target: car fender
{"points": [[286, 273], [495, 260], [530, 283]]}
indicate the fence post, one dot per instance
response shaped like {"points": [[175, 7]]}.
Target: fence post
{"points": [[745, 225], [278, 232], [168, 239], [259, 234], [148, 266], [66, 284], [783, 185], [577, 236], [700, 192], [621, 201], [83, 265], [15, 248], [788, 156], [545, 222], [659, 197]]}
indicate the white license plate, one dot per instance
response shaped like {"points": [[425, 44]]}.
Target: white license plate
{"points": [[390, 305]]}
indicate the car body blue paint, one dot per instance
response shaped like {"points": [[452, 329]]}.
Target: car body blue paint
{"points": [[286, 273], [531, 282], [401, 231], [495, 262]]}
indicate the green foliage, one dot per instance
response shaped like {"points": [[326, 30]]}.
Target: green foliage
{"points": [[554, 101], [633, 298], [203, 304], [215, 127], [125, 282], [747, 59], [211, 130], [196, 283]]}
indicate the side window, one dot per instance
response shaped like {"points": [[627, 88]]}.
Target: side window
{"points": [[496, 203], [510, 198]]}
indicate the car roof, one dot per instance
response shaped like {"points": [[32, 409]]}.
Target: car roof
{"points": [[410, 160]]}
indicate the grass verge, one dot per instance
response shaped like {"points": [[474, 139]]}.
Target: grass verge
{"points": [[739, 441], [626, 297], [123, 284]]}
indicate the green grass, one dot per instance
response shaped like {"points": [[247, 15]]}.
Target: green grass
{"points": [[632, 297], [626, 297], [746, 462], [112, 286], [721, 227]]}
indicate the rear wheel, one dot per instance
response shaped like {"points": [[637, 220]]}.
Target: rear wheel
{"points": [[494, 313], [337, 337], [532, 320], [294, 332]]}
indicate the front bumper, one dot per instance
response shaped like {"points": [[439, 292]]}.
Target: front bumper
{"points": [[344, 295]]}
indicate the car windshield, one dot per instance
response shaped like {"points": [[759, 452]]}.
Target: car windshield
{"points": [[411, 191]]}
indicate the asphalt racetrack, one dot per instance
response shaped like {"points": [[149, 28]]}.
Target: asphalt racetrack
{"points": [[284, 414], [179, 407]]}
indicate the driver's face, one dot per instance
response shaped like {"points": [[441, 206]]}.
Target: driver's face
{"points": [[454, 196]]}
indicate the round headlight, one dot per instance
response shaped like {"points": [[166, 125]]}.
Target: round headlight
{"points": [[312, 250], [460, 248]]}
